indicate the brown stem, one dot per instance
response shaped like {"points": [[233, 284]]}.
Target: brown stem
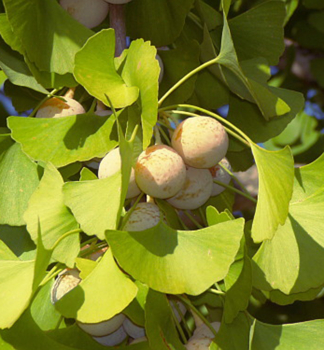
{"points": [[117, 21]]}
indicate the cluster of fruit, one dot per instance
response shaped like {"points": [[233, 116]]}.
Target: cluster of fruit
{"points": [[182, 175]]}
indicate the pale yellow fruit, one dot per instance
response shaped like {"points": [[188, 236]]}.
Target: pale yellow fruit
{"points": [[201, 141], [202, 337], [56, 108], [103, 328], [90, 13], [133, 330], [65, 282], [219, 174], [109, 166], [112, 339], [195, 191], [160, 172], [144, 216]]}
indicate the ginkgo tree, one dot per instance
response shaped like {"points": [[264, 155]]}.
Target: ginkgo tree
{"points": [[119, 193]]}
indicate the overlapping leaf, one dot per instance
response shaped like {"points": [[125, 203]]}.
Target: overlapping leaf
{"points": [[283, 262], [97, 204], [47, 211], [95, 70], [101, 295], [160, 329], [66, 140], [186, 261], [141, 69], [47, 23], [276, 178], [18, 180]]}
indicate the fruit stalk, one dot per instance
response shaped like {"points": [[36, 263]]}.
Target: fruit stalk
{"points": [[117, 22]]}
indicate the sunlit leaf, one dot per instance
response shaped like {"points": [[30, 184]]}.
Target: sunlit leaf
{"points": [[276, 178], [47, 211], [18, 180], [65, 140], [187, 261], [101, 295], [95, 70]]}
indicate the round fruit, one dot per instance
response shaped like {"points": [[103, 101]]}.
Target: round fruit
{"points": [[201, 141], [144, 216], [66, 281], [133, 330], [112, 339], [90, 13], [219, 174], [56, 108], [110, 164], [202, 337], [160, 172], [103, 328], [196, 190]]}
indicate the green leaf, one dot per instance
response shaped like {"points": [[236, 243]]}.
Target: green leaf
{"points": [[283, 263], [259, 32], [26, 334], [19, 241], [214, 217], [248, 118], [145, 18], [248, 86], [107, 286], [48, 24], [177, 63], [16, 69], [8, 35], [86, 174], [18, 282], [238, 285], [276, 179], [87, 202], [22, 98], [95, 70], [141, 69], [308, 179], [135, 310], [159, 325], [177, 255], [6, 253], [18, 180], [43, 311], [47, 211], [288, 336], [67, 139], [95, 203]]}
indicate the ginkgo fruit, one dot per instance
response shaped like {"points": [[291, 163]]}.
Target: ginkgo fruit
{"points": [[195, 191], [219, 174], [103, 328], [109, 166], [201, 141], [161, 64], [160, 172], [112, 339], [133, 330], [90, 13], [144, 216], [56, 108], [65, 282]]}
